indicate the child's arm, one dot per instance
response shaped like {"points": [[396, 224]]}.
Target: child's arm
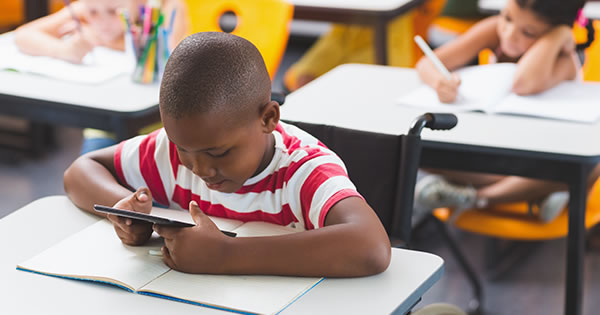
{"points": [[548, 62], [91, 179], [42, 37], [352, 243], [456, 54]]}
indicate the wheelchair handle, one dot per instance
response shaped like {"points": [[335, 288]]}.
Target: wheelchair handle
{"points": [[433, 121]]}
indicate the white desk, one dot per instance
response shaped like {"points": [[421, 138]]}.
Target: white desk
{"points": [[117, 105], [590, 10], [376, 13], [362, 97], [46, 221]]}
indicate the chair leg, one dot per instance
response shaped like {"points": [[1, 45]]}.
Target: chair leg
{"points": [[502, 256], [476, 304]]}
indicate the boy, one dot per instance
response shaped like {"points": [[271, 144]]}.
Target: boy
{"points": [[223, 152]]}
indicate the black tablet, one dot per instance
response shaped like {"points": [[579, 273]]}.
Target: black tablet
{"points": [[148, 218]]}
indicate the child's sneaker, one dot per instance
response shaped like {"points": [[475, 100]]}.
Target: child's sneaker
{"points": [[433, 191], [553, 205]]}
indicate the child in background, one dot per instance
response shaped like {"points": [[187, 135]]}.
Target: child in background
{"points": [[537, 35], [74, 31], [224, 152], [60, 35]]}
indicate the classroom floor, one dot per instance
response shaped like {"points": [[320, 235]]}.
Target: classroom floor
{"points": [[534, 285]]}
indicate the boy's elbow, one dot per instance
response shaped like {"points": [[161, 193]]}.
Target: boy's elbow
{"points": [[70, 175], [68, 178], [376, 259]]}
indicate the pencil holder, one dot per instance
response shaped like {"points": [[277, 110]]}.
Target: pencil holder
{"points": [[147, 40]]}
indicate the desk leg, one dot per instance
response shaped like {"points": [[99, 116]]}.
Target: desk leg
{"points": [[575, 243], [380, 42], [123, 129]]}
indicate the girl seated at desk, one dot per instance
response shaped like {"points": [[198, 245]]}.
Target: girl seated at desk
{"points": [[71, 33], [537, 35], [75, 30]]}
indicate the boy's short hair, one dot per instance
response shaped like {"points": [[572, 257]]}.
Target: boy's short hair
{"points": [[214, 72]]}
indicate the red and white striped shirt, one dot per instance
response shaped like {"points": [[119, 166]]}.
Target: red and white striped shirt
{"points": [[298, 187]]}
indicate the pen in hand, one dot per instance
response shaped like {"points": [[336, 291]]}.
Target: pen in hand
{"points": [[73, 16], [431, 55], [77, 22], [437, 63]]}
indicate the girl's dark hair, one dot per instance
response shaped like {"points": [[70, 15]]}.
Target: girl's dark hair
{"points": [[559, 12]]}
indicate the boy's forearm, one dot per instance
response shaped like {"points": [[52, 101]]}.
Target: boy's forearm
{"points": [[88, 182], [341, 250]]}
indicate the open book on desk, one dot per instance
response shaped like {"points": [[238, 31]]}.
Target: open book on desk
{"points": [[100, 65], [488, 89], [97, 254]]}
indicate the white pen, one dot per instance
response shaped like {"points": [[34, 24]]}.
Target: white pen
{"points": [[431, 55]]}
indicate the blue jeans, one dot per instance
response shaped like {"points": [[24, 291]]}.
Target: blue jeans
{"points": [[93, 144]]}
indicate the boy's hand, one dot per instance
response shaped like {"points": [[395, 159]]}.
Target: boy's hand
{"points": [[130, 231], [75, 48], [198, 249], [447, 90]]}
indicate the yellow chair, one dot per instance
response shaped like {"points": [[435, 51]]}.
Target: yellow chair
{"points": [[511, 221], [263, 22], [508, 222], [591, 68], [11, 13]]}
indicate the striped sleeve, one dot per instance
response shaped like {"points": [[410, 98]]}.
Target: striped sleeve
{"points": [[136, 164], [318, 185]]}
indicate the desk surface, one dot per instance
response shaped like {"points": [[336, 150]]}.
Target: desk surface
{"points": [[371, 5], [46, 221], [370, 91], [119, 94], [591, 9]]}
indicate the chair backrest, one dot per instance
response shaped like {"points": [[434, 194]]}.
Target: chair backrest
{"points": [[265, 23], [383, 168]]}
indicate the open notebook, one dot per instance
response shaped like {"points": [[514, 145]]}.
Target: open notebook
{"points": [[96, 254], [100, 65], [488, 89]]}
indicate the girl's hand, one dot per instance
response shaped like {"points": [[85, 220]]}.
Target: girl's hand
{"points": [[75, 48], [130, 231], [447, 90], [198, 249]]}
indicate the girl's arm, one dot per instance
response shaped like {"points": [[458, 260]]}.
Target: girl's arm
{"points": [[459, 52], [549, 61], [456, 54], [42, 37]]}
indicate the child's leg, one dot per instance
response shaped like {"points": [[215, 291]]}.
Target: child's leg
{"points": [[94, 139], [514, 189], [476, 180]]}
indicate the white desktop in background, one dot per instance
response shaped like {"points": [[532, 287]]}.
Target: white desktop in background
{"points": [[487, 89], [100, 65]]}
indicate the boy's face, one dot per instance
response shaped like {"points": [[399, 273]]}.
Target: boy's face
{"points": [[224, 152], [519, 29], [103, 17]]}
